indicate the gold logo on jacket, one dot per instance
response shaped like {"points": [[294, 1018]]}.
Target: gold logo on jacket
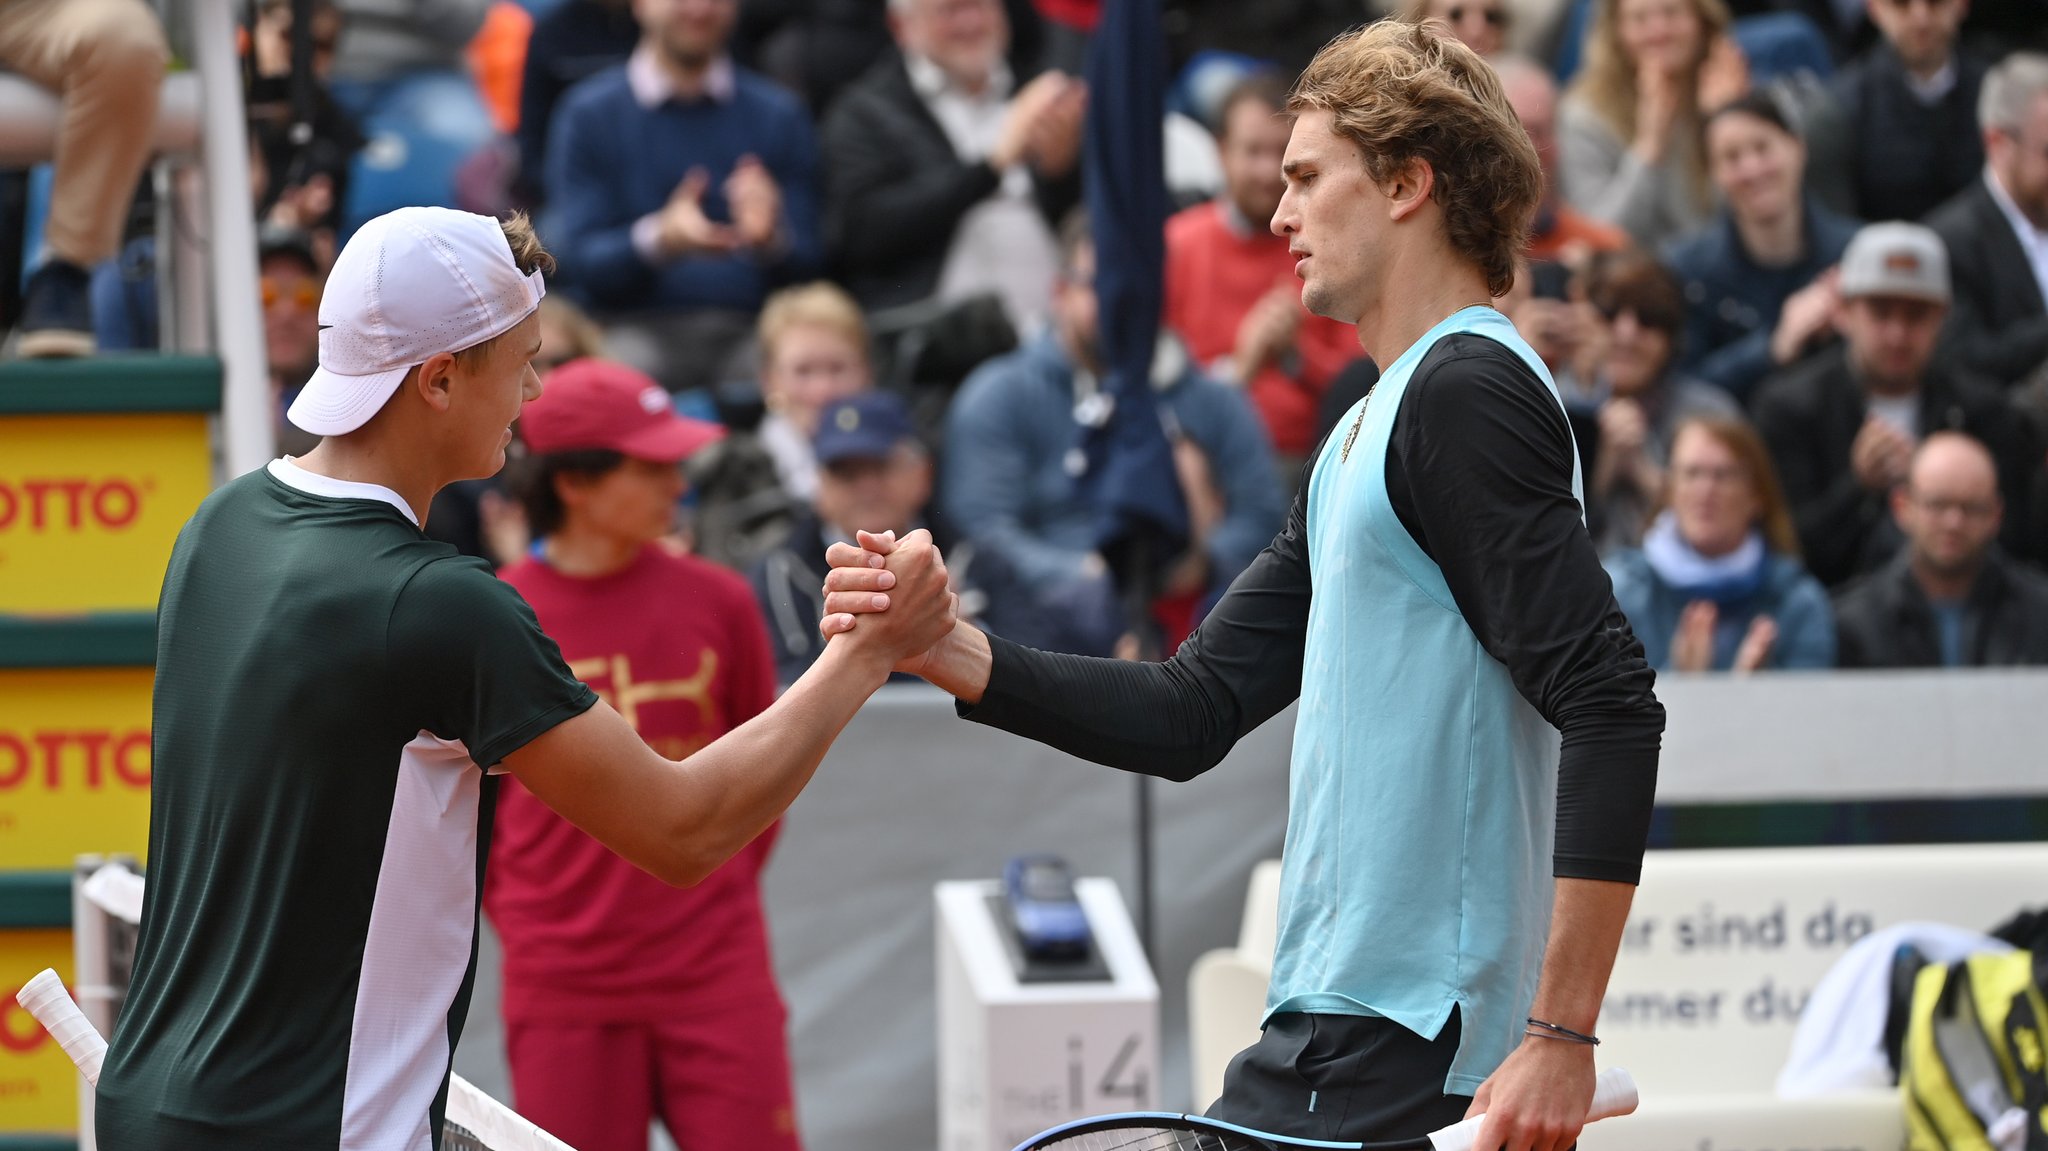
{"points": [[611, 677]]}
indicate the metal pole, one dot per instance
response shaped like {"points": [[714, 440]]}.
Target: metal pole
{"points": [[247, 438], [1145, 868], [303, 88]]}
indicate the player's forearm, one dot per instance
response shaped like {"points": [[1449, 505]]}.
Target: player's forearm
{"points": [[1586, 923], [1173, 720], [746, 779], [960, 664]]}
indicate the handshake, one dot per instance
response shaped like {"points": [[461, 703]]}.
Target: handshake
{"points": [[893, 598]]}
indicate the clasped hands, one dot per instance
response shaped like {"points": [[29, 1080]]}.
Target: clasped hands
{"points": [[753, 198], [882, 572]]}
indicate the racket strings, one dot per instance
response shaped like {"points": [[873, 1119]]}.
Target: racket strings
{"points": [[1152, 1139]]}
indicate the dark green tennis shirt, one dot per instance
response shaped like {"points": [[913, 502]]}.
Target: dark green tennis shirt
{"points": [[331, 686]]}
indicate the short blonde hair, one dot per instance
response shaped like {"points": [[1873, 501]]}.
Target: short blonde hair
{"points": [[1405, 92], [813, 305], [531, 257]]}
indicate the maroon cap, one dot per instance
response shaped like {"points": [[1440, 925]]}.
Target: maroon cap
{"points": [[590, 403]]}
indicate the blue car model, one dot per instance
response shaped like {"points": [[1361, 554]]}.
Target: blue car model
{"points": [[1049, 921]]}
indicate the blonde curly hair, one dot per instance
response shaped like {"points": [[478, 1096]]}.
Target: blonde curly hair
{"points": [[1405, 91], [531, 257]]}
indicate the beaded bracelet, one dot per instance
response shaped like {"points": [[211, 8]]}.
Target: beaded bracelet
{"points": [[1553, 1031]]}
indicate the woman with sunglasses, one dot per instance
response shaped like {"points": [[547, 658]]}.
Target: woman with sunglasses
{"points": [[290, 282], [1756, 279], [1481, 24], [1717, 584], [1636, 395]]}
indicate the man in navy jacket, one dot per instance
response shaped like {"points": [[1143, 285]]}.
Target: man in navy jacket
{"points": [[682, 188]]}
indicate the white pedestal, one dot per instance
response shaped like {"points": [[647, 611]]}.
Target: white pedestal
{"points": [[1016, 1058]]}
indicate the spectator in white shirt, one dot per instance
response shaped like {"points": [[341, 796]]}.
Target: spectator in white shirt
{"points": [[944, 176]]}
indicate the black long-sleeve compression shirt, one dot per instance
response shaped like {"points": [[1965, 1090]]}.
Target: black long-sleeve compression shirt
{"points": [[1479, 470]]}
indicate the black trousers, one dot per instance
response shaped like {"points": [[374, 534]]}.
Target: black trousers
{"points": [[1342, 1078]]}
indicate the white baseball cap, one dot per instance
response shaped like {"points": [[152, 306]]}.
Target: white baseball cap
{"points": [[409, 285], [1896, 259]]}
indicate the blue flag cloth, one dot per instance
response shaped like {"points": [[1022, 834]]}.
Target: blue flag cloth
{"points": [[1129, 474]]}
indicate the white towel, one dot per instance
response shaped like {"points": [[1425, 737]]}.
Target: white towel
{"points": [[1839, 1045]]}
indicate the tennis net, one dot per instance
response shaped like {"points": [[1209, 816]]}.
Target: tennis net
{"points": [[109, 910]]}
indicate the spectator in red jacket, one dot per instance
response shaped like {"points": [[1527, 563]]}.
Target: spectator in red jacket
{"points": [[1231, 295], [626, 999]]}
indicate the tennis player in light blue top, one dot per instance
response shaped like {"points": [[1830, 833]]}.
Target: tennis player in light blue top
{"points": [[1472, 700]]}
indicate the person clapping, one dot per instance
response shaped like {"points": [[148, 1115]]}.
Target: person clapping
{"points": [[1717, 584]]}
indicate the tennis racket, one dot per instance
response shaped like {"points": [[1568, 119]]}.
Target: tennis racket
{"points": [[475, 1121], [1614, 1093]]}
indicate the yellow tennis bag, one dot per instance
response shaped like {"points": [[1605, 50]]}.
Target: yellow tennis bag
{"points": [[1971, 1069]]}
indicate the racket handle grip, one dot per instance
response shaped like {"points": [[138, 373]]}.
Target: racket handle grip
{"points": [[45, 998], [1614, 1093]]}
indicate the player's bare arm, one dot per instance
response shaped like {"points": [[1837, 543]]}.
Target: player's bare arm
{"points": [[679, 821], [1542, 1079]]}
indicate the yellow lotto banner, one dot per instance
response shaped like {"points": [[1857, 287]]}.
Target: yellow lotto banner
{"points": [[74, 766], [38, 1082], [90, 505]]}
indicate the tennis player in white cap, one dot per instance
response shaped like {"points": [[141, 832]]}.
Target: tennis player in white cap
{"points": [[334, 691]]}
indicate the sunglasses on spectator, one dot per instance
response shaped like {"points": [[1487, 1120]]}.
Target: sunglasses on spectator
{"points": [[1498, 17], [1904, 5], [1648, 317], [303, 293]]}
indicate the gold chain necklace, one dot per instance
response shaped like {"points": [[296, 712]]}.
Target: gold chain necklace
{"points": [[1351, 437]]}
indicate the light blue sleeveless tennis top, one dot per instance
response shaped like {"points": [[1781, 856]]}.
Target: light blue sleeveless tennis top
{"points": [[1417, 870]]}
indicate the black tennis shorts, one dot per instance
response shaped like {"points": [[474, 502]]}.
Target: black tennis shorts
{"points": [[1342, 1078]]}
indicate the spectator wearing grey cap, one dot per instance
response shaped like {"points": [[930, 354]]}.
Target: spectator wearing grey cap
{"points": [[1842, 425], [1997, 230]]}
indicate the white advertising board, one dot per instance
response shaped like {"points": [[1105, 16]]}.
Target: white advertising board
{"points": [[1016, 1058]]}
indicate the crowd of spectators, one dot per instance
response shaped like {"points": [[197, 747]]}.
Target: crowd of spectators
{"points": [[1789, 275]]}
